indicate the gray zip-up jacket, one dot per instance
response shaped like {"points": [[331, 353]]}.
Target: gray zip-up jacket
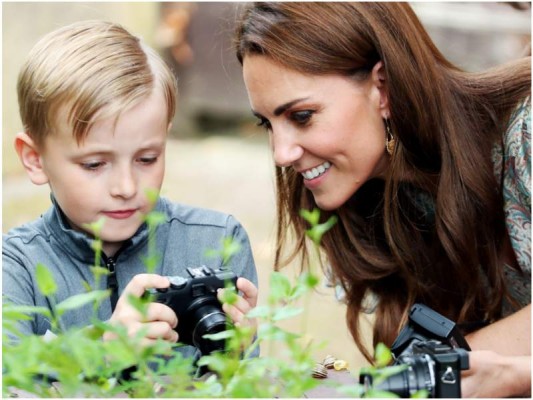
{"points": [[181, 242]]}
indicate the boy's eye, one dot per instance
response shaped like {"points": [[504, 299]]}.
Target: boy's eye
{"points": [[92, 166], [147, 160], [301, 117]]}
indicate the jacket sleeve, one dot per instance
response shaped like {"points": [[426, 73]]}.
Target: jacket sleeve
{"points": [[242, 262], [17, 288]]}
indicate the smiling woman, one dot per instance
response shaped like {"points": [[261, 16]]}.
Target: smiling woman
{"points": [[428, 170], [334, 120]]}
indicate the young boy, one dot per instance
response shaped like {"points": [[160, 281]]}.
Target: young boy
{"points": [[96, 105]]}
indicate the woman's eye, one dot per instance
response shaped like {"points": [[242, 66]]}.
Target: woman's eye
{"points": [[301, 117], [92, 166], [263, 122]]}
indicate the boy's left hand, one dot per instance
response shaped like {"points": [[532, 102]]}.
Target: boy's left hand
{"points": [[245, 303]]}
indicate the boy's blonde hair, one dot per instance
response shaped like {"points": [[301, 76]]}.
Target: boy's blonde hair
{"points": [[91, 70]]}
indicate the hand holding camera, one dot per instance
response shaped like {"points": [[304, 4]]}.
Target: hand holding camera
{"points": [[434, 352], [195, 302], [159, 321]]}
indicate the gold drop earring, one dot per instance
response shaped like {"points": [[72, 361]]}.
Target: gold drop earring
{"points": [[390, 142]]}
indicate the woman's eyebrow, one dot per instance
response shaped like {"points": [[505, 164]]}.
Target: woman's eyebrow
{"points": [[281, 109]]}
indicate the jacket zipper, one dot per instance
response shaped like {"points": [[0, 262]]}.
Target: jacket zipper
{"points": [[112, 282]]}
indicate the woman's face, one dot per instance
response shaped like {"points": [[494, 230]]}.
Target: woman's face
{"points": [[329, 128]]}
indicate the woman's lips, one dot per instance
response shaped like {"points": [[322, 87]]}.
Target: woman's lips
{"points": [[314, 183], [119, 214]]}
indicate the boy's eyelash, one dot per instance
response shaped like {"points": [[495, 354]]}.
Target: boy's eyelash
{"points": [[92, 166], [148, 160]]}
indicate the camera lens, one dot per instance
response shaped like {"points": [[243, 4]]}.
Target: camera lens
{"points": [[420, 374], [209, 319]]}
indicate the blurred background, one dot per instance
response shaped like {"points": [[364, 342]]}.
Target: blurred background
{"points": [[217, 157]]}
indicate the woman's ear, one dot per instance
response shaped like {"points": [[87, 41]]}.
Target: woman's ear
{"points": [[30, 157], [380, 81]]}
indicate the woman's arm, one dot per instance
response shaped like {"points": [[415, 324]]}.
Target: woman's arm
{"points": [[494, 375], [510, 336], [500, 360]]}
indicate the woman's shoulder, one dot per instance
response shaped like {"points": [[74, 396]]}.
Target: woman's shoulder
{"points": [[512, 153], [512, 163], [518, 130]]}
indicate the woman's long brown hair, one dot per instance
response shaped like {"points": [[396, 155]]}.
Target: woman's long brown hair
{"points": [[446, 122]]}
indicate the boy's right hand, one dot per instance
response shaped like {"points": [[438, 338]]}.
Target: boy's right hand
{"points": [[159, 321]]}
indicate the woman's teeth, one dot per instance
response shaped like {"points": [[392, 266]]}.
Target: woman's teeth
{"points": [[317, 171]]}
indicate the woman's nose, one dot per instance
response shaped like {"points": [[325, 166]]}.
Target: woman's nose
{"points": [[285, 148]]}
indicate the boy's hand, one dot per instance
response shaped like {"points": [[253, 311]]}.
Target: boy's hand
{"points": [[237, 312], [159, 321]]}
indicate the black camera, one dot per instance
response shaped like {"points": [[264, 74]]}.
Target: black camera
{"points": [[195, 303], [434, 353]]}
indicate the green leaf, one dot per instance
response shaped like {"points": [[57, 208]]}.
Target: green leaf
{"points": [[219, 363], [80, 300], [259, 312], [220, 335], [139, 303], [312, 217], [354, 391], [99, 271], [97, 245], [420, 394], [385, 373], [152, 195], [272, 332], [280, 287], [286, 313], [230, 247], [93, 332], [151, 262], [317, 231], [383, 355], [155, 218], [230, 296], [45, 280], [95, 228], [10, 311]]}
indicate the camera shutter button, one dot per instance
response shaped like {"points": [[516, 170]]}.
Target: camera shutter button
{"points": [[177, 282]]}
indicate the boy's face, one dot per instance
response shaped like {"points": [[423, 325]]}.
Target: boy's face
{"points": [[107, 175]]}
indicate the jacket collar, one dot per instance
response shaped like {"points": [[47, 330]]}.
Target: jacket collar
{"points": [[79, 244]]}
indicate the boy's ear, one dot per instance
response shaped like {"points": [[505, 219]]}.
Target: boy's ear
{"points": [[30, 157], [380, 81]]}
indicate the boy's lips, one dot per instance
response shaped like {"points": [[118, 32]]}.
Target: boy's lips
{"points": [[120, 214]]}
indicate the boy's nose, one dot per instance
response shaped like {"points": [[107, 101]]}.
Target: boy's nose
{"points": [[286, 149], [124, 184]]}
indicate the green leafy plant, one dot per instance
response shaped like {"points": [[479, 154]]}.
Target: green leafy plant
{"points": [[78, 363]]}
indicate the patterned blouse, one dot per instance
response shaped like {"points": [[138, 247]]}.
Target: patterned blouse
{"points": [[512, 166]]}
